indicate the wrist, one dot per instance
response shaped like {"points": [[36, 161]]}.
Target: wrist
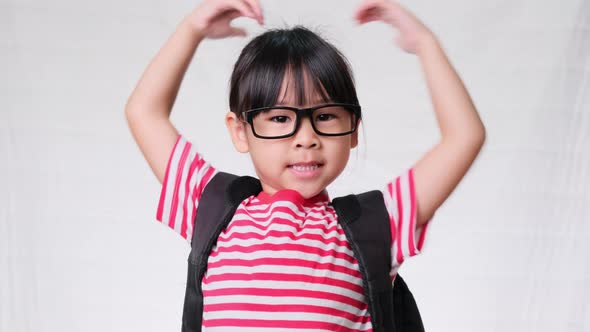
{"points": [[427, 43], [192, 29]]}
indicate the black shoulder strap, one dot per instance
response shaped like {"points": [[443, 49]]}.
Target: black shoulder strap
{"points": [[219, 199], [407, 316], [364, 221], [217, 205]]}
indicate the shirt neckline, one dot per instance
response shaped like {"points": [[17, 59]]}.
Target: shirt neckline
{"points": [[293, 196]]}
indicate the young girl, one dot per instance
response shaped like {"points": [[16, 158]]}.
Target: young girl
{"points": [[283, 262]]}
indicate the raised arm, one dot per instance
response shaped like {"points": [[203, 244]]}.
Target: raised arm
{"points": [[441, 169], [148, 108]]}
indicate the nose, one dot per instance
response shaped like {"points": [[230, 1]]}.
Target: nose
{"points": [[305, 136]]}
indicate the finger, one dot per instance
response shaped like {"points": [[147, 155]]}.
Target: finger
{"points": [[368, 20], [368, 13], [237, 32], [230, 15], [371, 14], [364, 7], [255, 6], [244, 9]]}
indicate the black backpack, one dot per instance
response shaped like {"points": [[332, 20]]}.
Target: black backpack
{"points": [[366, 226]]}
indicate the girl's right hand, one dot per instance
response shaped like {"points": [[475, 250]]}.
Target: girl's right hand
{"points": [[412, 32], [212, 18]]}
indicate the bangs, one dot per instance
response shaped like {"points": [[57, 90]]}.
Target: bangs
{"points": [[292, 57]]}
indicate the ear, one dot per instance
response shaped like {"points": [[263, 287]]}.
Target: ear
{"points": [[354, 140], [237, 132]]}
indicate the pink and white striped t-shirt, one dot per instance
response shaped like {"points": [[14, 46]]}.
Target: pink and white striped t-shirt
{"points": [[283, 263]]}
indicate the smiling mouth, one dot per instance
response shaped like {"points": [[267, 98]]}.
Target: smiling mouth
{"points": [[306, 171], [305, 168]]}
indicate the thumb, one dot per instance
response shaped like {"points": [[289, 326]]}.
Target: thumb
{"points": [[237, 32]]}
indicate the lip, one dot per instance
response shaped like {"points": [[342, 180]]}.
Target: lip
{"points": [[306, 174], [307, 163]]}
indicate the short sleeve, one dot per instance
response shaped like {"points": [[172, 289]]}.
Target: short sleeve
{"points": [[187, 174], [400, 200]]}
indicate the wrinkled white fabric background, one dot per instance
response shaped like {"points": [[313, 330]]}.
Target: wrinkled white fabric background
{"points": [[80, 249]]}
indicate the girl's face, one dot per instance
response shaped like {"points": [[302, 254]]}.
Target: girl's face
{"points": [[306, 162]]}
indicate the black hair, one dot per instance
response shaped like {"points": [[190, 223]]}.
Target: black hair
{"points": [[261, 67]]}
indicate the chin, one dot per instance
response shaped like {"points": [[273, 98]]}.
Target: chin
{"points": [[309, 193]]}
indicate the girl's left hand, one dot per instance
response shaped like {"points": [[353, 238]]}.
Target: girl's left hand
{"points": [[412, 32]]}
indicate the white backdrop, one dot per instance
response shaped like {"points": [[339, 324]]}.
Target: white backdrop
{"points": [[81, 250]]}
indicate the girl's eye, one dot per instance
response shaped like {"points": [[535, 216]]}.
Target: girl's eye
{"points": [[326, 117], [279, 118]]}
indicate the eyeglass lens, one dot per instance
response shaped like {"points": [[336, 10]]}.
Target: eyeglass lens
{"points": [[280, 121]]}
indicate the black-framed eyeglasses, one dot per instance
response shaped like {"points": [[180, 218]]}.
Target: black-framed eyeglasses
{"points": [[334, 119]]}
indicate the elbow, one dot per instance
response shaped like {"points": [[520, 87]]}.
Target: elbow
{"points": [[483, 134], [478, 140], [476, 133], [128, 114], [480, 135], [475, 137], [130, 107]]}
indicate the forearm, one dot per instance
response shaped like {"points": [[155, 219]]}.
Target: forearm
{"points": [[456, 115], [157, 89]]}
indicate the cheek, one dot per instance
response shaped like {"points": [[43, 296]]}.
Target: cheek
{"points": [[339, 151], [266, 154]]}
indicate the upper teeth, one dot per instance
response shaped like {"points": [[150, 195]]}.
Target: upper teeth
{"points": [[304, 168]]}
